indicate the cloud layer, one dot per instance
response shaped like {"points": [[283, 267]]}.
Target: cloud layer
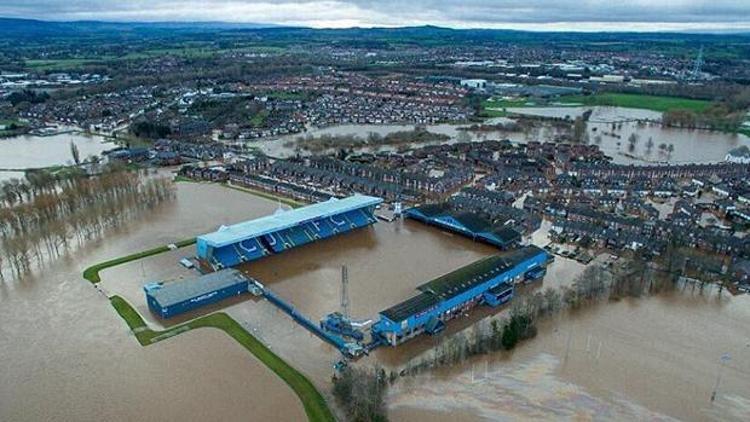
{"points": [[641, 15]]}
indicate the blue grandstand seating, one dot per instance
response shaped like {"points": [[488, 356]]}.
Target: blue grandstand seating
{"points": [[311, 231], [254, 239], [325, 229], [227, 256], [297, 236], [345, 218], [243, 258], [251, 249], [275, 242], [337, 223], [359, 218]]}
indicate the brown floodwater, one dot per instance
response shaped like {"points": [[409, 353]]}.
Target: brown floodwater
{"points": [[30, 151], [690, 146], [386, 262], [68, 356], [655, 358]]}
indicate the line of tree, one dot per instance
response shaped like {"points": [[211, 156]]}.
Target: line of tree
{"points": [[27, 96], [361, 393], [45, 214], [726, 115], [149, 130], [325, 142]]}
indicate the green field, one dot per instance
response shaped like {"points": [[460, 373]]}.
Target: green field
{"points": [[496, 107], [505, 103], [259, 119], [40, 64], [647, 102], [313, 402]]}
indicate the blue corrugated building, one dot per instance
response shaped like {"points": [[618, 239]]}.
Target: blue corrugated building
{"points": [[466, 224], [490, 280], [169, 299], [254, 239]]}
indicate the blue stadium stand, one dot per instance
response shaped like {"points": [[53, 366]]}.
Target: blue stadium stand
{"points": [[254, 239]]}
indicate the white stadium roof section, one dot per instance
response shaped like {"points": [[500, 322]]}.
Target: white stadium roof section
{"points": [[228, 235]]}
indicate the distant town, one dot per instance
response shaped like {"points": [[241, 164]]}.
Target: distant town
{"points": [[360, 208]]}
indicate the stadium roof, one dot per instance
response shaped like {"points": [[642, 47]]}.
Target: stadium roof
{"points": [[460, 280], [227, 235], [411, 306], [179, 291], [478, 272]]}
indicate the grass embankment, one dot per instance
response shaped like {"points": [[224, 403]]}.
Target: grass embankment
{"points": [[92, 273], [313, 402], [647, 102]]}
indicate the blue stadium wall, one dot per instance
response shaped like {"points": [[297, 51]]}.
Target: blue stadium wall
{"points": [[276, 242], [395, 332], [450, 223]]}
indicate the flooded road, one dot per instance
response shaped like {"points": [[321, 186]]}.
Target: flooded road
{"points": [[29, 151]]}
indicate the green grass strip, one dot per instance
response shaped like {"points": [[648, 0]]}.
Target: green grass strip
{"points": [[313, 402], [92, 273], [642, 101]]}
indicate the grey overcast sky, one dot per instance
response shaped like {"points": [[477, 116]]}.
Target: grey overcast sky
{"points": [[581, 15]]}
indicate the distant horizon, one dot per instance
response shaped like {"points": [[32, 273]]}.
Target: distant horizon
{"points": [[551, 27], [695, 16]]}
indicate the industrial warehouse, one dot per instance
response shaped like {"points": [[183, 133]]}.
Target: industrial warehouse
{"points": [[170, 299], [222, 255]]}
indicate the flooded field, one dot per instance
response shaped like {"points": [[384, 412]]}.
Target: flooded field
{"points": [[285, 146], [689, 145], [28, 151], [696, 146], [68, 356], [646, 359], [386, 263]]}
